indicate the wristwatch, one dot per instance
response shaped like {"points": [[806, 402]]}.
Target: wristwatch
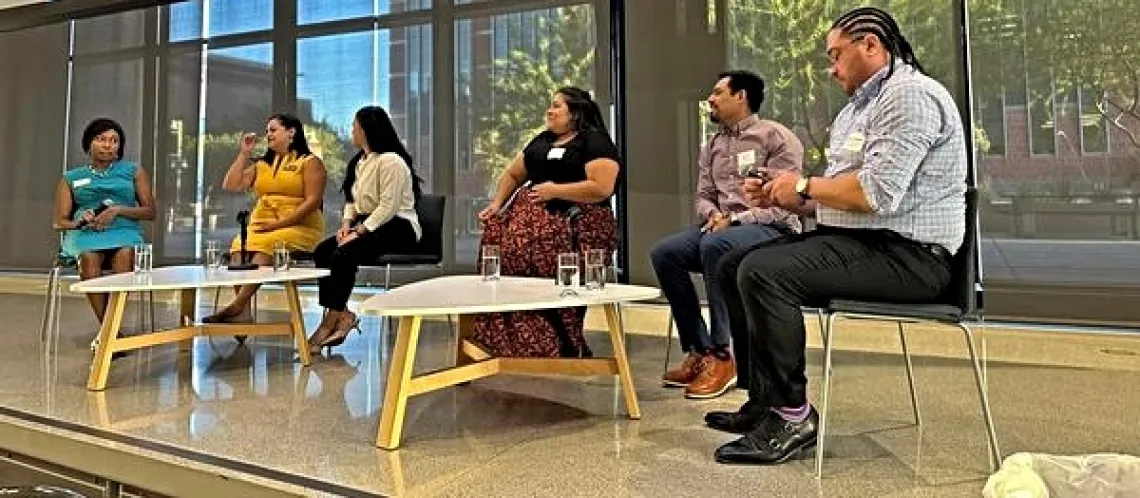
{"points": [[734, 219], [802, 187]]}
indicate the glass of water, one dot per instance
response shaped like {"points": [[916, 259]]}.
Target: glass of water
{"points": [[567, 277], [595, 269], [280, 257], [213, 255], [491, 264], [144, 258]]}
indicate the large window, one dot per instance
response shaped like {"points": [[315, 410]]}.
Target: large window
{"points": [[800, 94], [505, 78], [178, 189], [1066, 188], [107, 89], [198, 73], [317, 11], [338, 74]]}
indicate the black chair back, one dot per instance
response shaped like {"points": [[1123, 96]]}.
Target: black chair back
{"points": [[963, 290], [430, 210]]}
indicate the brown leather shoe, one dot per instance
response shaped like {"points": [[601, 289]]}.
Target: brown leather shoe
{"points": [[716, 378], [684, 374]]}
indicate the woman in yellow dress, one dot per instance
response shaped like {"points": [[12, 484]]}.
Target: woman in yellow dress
{"points": [[290, 183]]}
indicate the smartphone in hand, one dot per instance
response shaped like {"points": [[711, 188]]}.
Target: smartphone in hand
{"points": [[762, 174]]}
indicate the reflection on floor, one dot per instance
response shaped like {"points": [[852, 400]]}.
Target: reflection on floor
{"points": [[532, 436]]}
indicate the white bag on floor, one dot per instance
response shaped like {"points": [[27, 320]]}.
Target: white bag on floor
{"points": [[1036, 475]]}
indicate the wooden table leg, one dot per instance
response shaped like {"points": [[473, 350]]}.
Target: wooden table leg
{"points": [[108, 332], [297, 320], [466, 329], [187, 315], [617, 337], [399, 379]]}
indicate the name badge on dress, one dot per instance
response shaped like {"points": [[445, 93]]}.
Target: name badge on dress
{"points": [[854, 142], [82, 182], [556, 153]]}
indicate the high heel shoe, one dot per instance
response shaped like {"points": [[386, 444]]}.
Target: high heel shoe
{"points": [[324, 330], [340, 334]]}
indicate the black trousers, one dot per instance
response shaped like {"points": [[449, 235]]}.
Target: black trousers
{"points": [[766, 284], [395, 237]]}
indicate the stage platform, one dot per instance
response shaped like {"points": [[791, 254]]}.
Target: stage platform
{"points": [[248, 420]]}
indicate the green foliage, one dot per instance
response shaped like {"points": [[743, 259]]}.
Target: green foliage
{"points": [[1095, 46], [220, 148], [782, 41], [525, 81], [1091, 44]]}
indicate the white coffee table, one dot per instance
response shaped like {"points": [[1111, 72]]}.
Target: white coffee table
{"points": [[188, 279], [467, 295]]}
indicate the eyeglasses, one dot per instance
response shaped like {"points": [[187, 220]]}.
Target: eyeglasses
{"points": [[833, 54]]}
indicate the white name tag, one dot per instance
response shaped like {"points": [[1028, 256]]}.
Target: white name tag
{"points": [[81, 182], [855, 142], [745, 159], [556, 153]]}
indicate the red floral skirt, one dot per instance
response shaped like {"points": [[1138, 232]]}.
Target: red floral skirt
{"points": [[530, 237]]}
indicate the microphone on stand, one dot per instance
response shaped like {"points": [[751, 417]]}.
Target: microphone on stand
{"points": [[243, 260], [107, 203]]}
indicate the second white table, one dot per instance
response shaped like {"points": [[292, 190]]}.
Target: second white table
{"points": [[188, 279]]}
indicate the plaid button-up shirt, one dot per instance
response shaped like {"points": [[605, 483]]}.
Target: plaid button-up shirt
{"points": [[903, 138]]}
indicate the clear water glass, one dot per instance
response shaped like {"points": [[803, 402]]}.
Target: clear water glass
{"points": [[144, 258], [594, 277], [491, 263], [281, 257], [567, 276], [213, 255]]}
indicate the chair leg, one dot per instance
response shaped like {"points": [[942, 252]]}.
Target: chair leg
{"points": [[822, 324], [979, 379], [49, 303], [217, 295], [827, 377], [387, 277], [669, 341], [909, 375], [150, 298]]}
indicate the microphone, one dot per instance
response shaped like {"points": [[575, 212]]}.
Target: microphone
{"points": [[107, 203], [243, 261]]}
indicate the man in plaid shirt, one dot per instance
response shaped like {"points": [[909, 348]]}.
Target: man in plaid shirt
{"points": [[891, 213]]}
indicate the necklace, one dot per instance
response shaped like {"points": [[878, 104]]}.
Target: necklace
{"points": [[101, 172]]}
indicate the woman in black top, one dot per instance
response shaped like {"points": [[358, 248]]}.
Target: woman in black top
{"points": [[553, 198]]}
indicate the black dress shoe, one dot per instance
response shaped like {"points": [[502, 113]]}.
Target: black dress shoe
{"points": [[748, 417], [774, 441]]}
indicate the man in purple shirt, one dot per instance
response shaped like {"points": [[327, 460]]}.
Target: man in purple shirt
{"points": [[744, 145]]}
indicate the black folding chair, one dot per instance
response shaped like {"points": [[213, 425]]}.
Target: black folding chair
{"points": [[959, 305]]}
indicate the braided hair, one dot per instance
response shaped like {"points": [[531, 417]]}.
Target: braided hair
{"points": [[872, 21]]}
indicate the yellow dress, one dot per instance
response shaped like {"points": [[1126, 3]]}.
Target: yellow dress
{"points": [[280, 189]]}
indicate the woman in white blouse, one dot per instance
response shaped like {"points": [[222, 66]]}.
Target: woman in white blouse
{"points": [[381, 190]]}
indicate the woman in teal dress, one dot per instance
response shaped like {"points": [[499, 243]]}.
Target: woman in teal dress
{"points": [[103, 241]]}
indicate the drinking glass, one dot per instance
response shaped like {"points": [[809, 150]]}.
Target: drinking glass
{"points": [[567, 276], [213, 255], [491, 264], [144, 258], [280, 257], [595, 270]]}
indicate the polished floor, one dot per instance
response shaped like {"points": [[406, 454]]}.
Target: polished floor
{"points": [[536, 436]]}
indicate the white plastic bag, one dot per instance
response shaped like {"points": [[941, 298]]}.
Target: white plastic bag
{"points": [[1036, 475]]}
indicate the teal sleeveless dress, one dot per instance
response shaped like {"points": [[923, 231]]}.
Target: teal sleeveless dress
{"points": [[89, 189]]}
